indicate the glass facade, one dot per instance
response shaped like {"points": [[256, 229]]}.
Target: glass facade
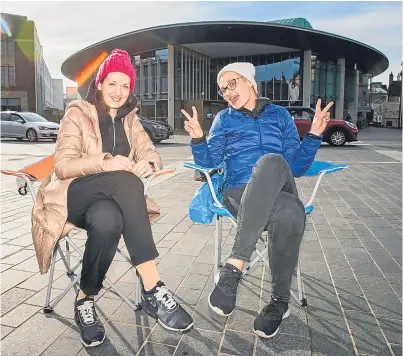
{"points": [[278, 75], [324, 81], [152, 84]]}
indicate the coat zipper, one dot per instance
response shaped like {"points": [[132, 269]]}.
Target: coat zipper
{"points": [[114, 136], [260, 135]]}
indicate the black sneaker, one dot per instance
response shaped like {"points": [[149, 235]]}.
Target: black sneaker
{"points": [[223, 297], [92, 331], [161, 305], [267, 323]]}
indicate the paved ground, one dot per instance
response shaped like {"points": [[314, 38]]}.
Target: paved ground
{"points": [[351, 261]]}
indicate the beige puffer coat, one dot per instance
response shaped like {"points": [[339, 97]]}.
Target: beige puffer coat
{"points": [[79, 153]]}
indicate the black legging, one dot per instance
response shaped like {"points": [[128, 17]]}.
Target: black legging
{"points": [[108, 205]]}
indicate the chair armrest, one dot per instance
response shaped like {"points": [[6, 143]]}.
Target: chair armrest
{"points": [[319, 167], [201, 172], [155, 175]]}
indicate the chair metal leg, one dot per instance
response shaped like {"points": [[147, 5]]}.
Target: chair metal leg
{"points": [[47, 308], [260, 257], [301, 294], [121, 295], [124, 256], [107, 280], [69, 271], [218, 239], [62, 295], [138, 293]]}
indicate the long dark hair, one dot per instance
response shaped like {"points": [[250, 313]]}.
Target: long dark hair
{"points": [[94, 96]]}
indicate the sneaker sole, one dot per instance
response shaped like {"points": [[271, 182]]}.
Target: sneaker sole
{"points": [[188, 328], [93, 344], [265, 336], [217, 310]]}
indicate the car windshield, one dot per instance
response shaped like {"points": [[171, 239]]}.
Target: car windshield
{"points": [[32, 117]]}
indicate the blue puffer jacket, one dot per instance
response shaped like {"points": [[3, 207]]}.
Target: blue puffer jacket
{"points": [[240, 138]]}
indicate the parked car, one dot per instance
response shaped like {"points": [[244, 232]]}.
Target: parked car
{"points": [[21, 125], [337, 132], [156, 130]]}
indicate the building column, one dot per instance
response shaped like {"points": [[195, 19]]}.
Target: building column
{"points": [[306, 79], [158, 77], [171, 85], [142, 80], [341, 75], [354, 105]]}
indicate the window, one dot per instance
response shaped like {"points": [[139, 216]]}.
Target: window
{"points": [[5, 116], [15, 118], [10, 104], [10, 48], [32, 117], [301, 114], [11, 77]]}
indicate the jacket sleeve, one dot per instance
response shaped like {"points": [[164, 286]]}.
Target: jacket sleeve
{"points": [[299, 155], [143, 147], [69, 160], [210, 152]]}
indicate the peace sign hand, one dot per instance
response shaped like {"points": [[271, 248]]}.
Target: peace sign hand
{"points": [[192, 125], [321, 118]]}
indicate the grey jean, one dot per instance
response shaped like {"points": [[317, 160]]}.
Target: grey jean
{"points": [[269, 202]]}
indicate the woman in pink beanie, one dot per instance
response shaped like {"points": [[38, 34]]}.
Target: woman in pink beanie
{"points": [[102, 152]]}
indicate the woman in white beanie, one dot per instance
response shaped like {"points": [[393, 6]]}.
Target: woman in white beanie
{"points": [[259, 143]]}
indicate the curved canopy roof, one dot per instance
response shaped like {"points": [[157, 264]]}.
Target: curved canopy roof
{"points": [[258, 34]]}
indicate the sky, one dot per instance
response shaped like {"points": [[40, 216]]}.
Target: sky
{"points": [[67, 27]]}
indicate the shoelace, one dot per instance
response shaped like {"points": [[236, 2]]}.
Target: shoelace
{"points": [[230, 282], [87, 311], [163, 295], [273, 310]]}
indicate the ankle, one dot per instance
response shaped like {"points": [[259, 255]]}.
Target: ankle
{"points": [[151, 288], [237, 263], [81, 295]]}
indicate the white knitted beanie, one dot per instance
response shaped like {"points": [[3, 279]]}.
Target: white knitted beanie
{"points": [[247, 70]]}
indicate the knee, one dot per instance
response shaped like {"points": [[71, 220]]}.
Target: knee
{"points": [[270, 163], [104, 219], [289, 211], [128, 180]]}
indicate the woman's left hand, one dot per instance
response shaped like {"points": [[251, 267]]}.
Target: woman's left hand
{"points": [[143, 169], [321, 118]]}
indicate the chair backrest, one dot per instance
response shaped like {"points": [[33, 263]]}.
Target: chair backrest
{"points": [[41, 169]]}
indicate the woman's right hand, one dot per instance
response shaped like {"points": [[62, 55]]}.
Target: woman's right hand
{"points": [[192, 125], [118, 163]]}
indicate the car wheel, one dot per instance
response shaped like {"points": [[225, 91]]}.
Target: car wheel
{"points": [[157, 141], [19, 138], [54, 139], [337, 138], [32, 136]]}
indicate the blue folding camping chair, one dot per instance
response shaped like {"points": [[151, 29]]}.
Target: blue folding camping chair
{"points": [[206, 205]]}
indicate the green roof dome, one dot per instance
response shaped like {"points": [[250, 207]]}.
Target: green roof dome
{"points": [[297, 22]]}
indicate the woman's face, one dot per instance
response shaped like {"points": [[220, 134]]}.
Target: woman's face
{"points": [[235, 89], [115, 89]]}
